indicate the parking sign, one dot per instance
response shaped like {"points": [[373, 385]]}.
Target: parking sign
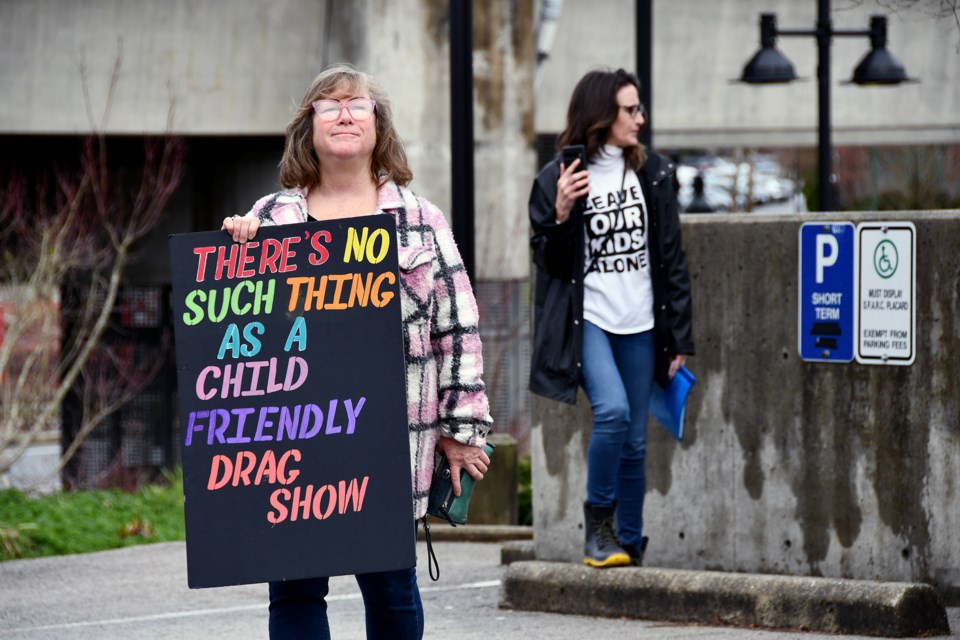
{"points": [[826, 293]]}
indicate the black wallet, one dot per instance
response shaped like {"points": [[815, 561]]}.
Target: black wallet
{"points": [[442, 503]]}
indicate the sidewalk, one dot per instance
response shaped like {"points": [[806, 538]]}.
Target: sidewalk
{"points": [[141, 593]]}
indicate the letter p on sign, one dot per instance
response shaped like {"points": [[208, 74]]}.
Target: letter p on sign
{"points": [[823, 258]]}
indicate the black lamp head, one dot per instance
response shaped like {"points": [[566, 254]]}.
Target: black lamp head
{"points": [[879, 66], [768, 65]]}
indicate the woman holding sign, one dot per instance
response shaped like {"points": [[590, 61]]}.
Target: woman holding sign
{"points": [[612, 304], [343, 159]]}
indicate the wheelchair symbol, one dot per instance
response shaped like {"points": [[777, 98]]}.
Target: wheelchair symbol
{"points": [[885, 259]]}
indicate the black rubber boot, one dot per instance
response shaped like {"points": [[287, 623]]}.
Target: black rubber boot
{"points": [[636, 554], [602, 549]]}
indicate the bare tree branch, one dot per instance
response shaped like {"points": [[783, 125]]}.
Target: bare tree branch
{"points": [[77, 227], [935, 9]]}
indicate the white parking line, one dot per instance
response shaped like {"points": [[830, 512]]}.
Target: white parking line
{"points": [[486, 584]]}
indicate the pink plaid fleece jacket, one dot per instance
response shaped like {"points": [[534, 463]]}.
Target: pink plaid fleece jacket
{"points": [[444, 364]]}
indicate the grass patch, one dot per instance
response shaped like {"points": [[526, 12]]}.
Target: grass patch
{"points": [[86, 521]]}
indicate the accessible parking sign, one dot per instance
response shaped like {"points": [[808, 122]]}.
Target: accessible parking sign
{"points": [[826, 309], [886, 319]]}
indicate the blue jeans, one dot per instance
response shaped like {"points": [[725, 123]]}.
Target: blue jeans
{"points": [[298, 608], [618, 378]]}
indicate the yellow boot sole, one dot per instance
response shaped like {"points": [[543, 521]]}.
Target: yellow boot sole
{"points": [[613, 560]]}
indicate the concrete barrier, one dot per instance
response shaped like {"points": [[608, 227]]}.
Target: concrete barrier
{"points": [[37, 470], [517, 551], [494, 498], [894, 610], [788, 467], [442, 531]]}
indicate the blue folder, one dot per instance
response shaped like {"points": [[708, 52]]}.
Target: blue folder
{"points": [[669, 404]]}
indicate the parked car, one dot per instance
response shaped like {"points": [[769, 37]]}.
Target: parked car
{"points": [[729, 185]]}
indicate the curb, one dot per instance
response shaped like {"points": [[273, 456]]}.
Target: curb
{"points": [[442, 531], [860, 607], [517, 551]]}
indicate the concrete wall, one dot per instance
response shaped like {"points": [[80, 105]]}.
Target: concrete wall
{"points": [[701, 45], [839, 470], [239, 69], [230, 69]]}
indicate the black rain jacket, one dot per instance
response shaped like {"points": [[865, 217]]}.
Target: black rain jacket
{"points": [[558, 254]]}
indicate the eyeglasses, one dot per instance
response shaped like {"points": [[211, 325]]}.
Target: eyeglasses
{"points": [[632, 109], [359, 108]]}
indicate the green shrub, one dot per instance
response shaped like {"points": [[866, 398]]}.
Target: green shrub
{"points": [[524, 492]]}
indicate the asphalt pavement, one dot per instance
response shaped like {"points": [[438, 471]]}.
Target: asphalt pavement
{"points": [[141, 593]]}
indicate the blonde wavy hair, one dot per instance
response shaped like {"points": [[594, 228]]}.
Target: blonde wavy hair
{"points": [[300, 166]]}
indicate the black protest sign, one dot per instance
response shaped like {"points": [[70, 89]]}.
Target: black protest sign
{"points": [[293, 419]]}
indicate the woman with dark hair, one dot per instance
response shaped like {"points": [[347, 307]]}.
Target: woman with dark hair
{"points": [[612, 302], [343, 158]]}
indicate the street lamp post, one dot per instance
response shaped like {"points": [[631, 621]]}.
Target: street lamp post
{"points": [[644, 44], [461, 132], [769, 66]]}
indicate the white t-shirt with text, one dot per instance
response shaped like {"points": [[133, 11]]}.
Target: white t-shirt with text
{"points": [[618, 292]]}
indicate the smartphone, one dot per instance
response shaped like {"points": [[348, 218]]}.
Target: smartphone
{"points": [[568, 154], [572, 152]]}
